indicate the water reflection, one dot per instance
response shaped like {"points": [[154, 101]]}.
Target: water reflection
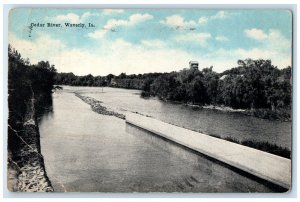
{"points": [[44, 106], [88, 152], [193, 171], [213, 122]]}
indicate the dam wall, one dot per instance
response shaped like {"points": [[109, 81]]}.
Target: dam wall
{"points": [[261, 164]]}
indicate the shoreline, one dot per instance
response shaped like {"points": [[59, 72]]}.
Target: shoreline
{"points": [[223, 108], [262, 113], [260, 145], [27, 173]]}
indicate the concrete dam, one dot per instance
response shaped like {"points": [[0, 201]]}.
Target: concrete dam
{"points": [[269, 167]]}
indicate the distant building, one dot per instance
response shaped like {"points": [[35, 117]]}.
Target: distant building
{"points": [[113, 82], [194, 64]]}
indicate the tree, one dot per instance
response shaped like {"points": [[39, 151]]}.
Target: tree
{"points": [[210, 80]]}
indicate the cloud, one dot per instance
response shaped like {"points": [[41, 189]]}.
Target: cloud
{"points": [[277, 41], [112, 11], [155, 43], [114, 23], [203, 20], [121, 56], [177, 21], [279, 59], [221, 15], [42, 48], [116, 56], [221, 38], [98, 34], [256, 34], [87, 15], [71, 17], [270, 40], [132, 20], [274, 46], [200, 38], [113, 56], [137, 18]]}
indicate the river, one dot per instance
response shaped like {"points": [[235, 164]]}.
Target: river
{"points": [[207, 121], [88, 152]]}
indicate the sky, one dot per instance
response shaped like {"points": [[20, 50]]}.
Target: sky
{"points": [[144, 40]]}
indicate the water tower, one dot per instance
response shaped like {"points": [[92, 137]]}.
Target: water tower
{"points": [[193, 64]]}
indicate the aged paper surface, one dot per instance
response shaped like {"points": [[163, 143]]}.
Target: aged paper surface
{"points": [[149, 100]]}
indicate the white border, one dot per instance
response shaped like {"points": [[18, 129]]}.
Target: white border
{"points": [[154, 4]]}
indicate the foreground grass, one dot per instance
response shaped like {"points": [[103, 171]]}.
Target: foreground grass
{"points": [[268, 147], [263, 146]]}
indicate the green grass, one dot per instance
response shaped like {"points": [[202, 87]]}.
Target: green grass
{"points": [[263, 146], [268, 147]]}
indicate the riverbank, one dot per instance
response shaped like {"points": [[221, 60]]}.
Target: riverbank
{"points": [[263, 113], [223, 108], [26, 170], [278, 114], [263, 145], [281, 114]]}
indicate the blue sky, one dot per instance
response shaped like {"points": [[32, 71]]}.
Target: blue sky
{"points": [[145, 40]]}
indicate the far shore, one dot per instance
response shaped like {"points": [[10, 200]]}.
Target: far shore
{"points": [[264, 113], [96, 106]]}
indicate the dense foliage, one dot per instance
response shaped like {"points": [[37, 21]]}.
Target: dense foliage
{"points": [[253, 84], [26, 83], [122, 81]]}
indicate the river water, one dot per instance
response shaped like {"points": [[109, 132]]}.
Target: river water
{"points": [[88, 152], [207, 121]]}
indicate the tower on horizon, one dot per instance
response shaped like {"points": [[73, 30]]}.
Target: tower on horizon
{"points": [[193, 64]]}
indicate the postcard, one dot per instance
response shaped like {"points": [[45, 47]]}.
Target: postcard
{"points": [[149, 100]]}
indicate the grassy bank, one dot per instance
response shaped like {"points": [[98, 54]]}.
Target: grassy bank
{"points": [[281, 114], [263, 146], [260, 145]]}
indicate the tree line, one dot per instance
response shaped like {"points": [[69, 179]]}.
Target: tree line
{"points": [[26, 83], [133, 81], [252, 84]]}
